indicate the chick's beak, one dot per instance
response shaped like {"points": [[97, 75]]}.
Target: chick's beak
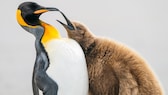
{"points": [[69, 24], [45, 9]]}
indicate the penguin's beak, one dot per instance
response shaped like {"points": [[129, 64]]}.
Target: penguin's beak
{"points": [[69, 24], [45, 9]]}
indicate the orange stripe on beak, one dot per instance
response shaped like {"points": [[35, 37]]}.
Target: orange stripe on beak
{"points": [[40, 11]]}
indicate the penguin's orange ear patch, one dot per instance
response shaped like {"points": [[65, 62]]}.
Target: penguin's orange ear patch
{"points": [[21, 21]]}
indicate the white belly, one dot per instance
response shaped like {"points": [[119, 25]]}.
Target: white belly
{"points": [[67, 67]]}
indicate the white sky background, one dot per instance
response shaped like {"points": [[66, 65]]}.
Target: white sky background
{"points": [[140, 24]]}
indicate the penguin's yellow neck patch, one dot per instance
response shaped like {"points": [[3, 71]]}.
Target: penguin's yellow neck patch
{"points": [[49, 33]]}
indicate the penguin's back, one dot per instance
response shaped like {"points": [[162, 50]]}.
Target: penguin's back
{"points": [[67, 66]]}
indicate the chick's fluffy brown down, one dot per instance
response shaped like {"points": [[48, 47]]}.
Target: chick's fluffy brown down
{"points": [[113, 68]]}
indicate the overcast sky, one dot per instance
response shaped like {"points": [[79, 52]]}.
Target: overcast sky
{"points": [[139, 24]]}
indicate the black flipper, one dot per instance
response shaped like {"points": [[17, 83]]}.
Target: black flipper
{"points": [[40, 78], [34, 86]]}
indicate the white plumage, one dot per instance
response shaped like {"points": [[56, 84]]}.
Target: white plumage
{"points": [[67, 66]]}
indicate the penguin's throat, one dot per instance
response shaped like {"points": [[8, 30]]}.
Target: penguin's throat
{"points": [[50, 33]]}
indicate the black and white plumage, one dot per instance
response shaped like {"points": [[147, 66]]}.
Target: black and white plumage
{"points": [[60, 66]]}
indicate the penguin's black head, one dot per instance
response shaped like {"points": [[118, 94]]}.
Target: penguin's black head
{"points": [[28, 13]]}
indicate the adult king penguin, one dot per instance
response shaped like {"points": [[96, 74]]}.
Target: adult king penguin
{"points": [[60, 66], [113, 68]]}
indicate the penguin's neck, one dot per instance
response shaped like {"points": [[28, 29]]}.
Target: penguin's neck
{"points": [[49, 33], [39, 46], [41, 52]]}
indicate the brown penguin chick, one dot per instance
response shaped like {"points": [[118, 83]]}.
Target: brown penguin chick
{"points": [[113, 68]]}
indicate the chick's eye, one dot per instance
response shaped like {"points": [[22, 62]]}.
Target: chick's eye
{"points": [[78, 28]]}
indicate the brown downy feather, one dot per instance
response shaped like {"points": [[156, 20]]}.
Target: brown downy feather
{"points": [[113, 68]]}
